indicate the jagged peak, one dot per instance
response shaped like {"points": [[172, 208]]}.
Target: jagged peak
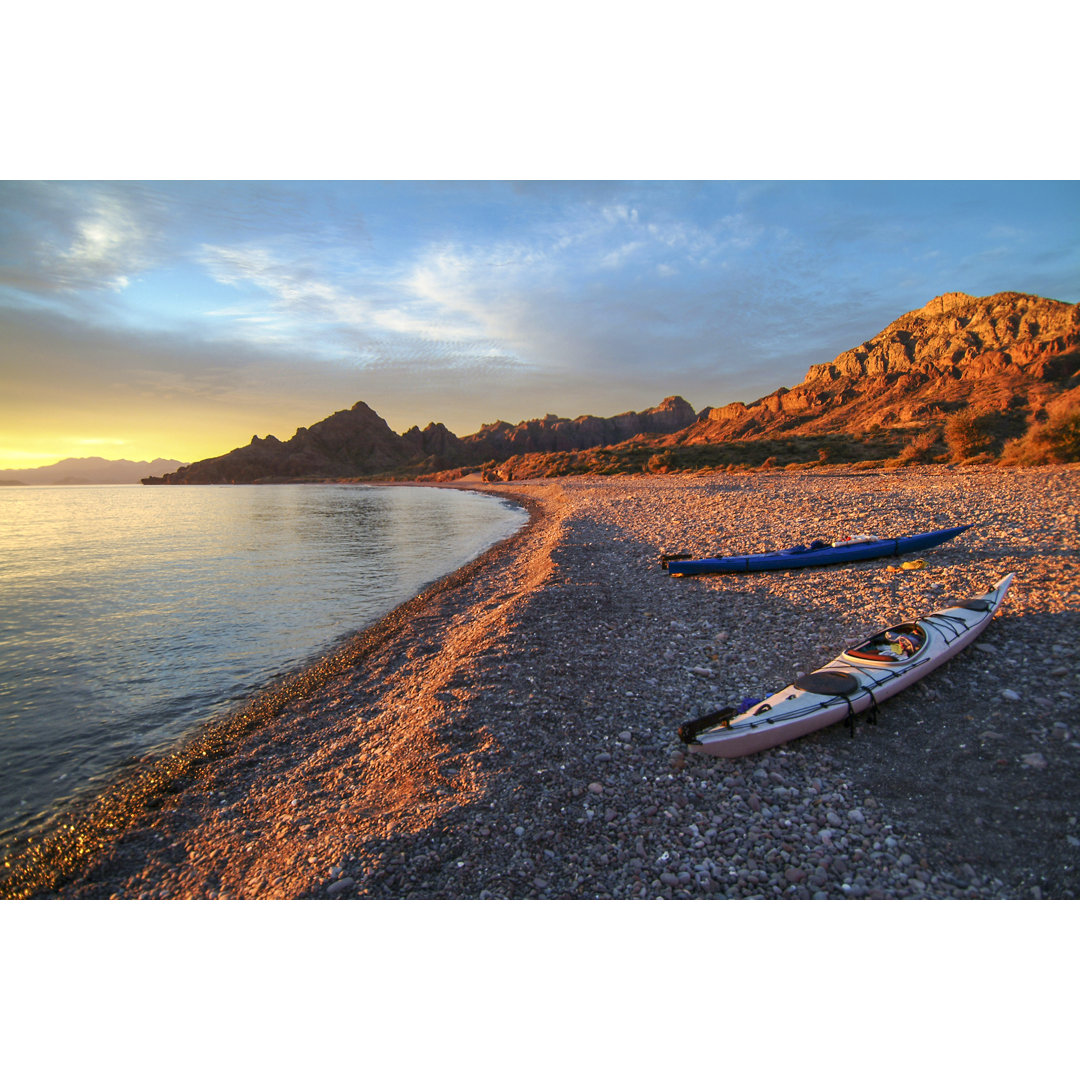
{"points": [[675, 401], [945, 302]]}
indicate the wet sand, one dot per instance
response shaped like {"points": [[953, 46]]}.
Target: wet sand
{"points": [[510, 733]]}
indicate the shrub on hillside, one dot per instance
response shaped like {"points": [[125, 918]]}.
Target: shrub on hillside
{"points": [[967, 434], [1055, 440], [920, 448], [1063, 433]]}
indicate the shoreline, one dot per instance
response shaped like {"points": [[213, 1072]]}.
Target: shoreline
{"points": [[110, 817], [510, 732]]}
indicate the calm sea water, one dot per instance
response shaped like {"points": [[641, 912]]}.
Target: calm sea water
{"points": [[130, 614]]}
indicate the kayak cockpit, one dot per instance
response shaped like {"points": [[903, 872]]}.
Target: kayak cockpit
{"points": [[896, 645]]}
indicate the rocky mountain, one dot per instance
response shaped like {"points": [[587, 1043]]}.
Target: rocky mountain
{"points": [[357, 442], [1009, 354], [91, 470], [1008, 357], [553, 433], [1010, 361], [354, 441]]}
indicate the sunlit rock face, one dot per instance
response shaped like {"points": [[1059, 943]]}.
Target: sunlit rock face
{"points": [[1005, 352]]}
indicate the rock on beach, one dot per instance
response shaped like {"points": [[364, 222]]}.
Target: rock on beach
{"points": [[511, 733]]}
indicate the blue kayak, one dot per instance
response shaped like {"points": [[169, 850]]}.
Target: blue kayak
{"points": [[816, 554]]}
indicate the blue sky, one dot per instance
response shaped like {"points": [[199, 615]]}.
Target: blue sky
{"points": [[178, 319]]}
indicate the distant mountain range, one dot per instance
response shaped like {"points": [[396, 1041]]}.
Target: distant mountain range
{"points": [[358, 443], [91, 470], [1010, 356]]}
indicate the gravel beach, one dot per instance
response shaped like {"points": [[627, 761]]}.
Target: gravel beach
{"points": [[511, 733]]}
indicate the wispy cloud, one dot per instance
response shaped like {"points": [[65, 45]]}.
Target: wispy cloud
{"points": [[71, 238], [558, 290], [292, 287], [109, 244]]}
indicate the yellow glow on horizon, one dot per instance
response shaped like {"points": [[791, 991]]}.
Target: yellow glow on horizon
{"points": [[34, 451], [179, 436]]}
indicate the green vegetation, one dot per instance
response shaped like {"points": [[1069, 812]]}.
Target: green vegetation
{"points": [[739, 456]]}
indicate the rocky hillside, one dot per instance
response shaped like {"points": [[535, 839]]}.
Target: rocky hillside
{"points": [[501, 440], [1011, 359], [357, 442], [1009, 354]]}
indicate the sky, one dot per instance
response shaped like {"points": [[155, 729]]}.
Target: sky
{"points": [[146, 319], [413, 206]]}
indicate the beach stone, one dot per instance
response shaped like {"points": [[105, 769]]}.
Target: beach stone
{"points": [[1035, 761], [340, 886], [596, 788], [1010, 695]]}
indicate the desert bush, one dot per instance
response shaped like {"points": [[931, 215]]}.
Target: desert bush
{"points": [[1055, 440], [920, 447], [1063, 433], [966, 434]]}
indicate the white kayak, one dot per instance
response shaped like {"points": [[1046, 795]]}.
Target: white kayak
{"points": [[860, 678]]}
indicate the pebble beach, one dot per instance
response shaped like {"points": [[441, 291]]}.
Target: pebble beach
{"points": [[511, 732]]}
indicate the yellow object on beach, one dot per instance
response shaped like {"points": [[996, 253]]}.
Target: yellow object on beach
{"points": [[915, 564]]}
